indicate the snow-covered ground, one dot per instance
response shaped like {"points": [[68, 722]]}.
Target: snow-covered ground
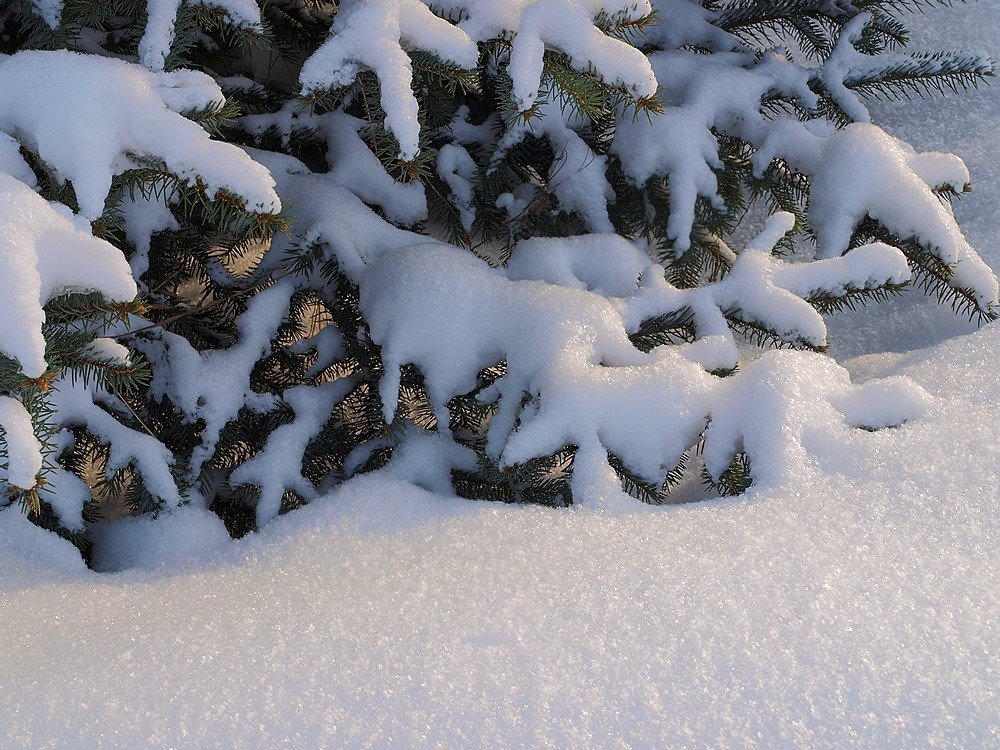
{"points": [[855, 606]]}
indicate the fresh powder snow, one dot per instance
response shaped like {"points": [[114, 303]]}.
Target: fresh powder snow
{"points": [[845, 606]]}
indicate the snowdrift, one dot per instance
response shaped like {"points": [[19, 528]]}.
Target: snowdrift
{"points": [[852, 604]]}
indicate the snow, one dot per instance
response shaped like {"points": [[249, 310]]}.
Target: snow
{"points": [[21, 447], [67, 494], [849, 605], [43, 252], [13, 163], [368, 34], [702, 93], [141, 219], [49, 10], [449, 313], [186, 90], [376, 34], [354, 166], [606, 264], [215, 384], [866, 171], [966, 125], [162, 14], [568, 26], [452, 315], [770, 292], [456, 167], [846, 64], [688, 24], [151, 542], [578, 176], [425, 459], [32, 556], [271, 469], [87, 116], [856, 171], [155, 43], [77, 404], [327, 212], [844, 600], [108, 350]]}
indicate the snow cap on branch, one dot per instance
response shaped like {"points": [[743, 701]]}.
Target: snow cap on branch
{"points": [[90, 118], [376, 35], [161, 18], [451, 315], [43, 252]]}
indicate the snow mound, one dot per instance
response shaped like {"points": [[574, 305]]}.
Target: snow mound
{"points": [[452, 315], [148, 542], [848, 605]]}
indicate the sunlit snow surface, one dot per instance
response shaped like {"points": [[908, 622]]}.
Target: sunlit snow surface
{"points": [[857, 606]]}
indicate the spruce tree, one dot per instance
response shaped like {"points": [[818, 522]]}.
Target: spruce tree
{"points": [[500, 258]]}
